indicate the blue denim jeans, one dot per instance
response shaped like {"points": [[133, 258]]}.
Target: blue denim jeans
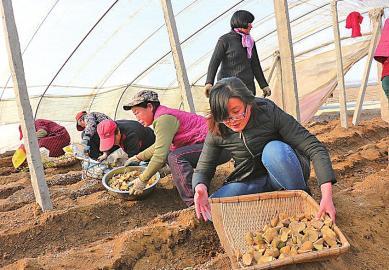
{"points": [[284, 172]]}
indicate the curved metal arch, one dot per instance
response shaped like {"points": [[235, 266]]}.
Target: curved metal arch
{"points": [[141, 43], [29, 42], [166, 54], [71, 54], [133, 51]]}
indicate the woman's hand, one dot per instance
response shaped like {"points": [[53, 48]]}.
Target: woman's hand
{"points": [[207, 89], [102, 157], [132, 161], [201, 202], [266, 91], [326, 203]]}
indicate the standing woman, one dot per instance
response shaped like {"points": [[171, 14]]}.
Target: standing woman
{"points": [[270, 148], [237, 53]]}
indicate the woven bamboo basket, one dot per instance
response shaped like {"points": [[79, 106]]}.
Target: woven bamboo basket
{"points": [[233, 217]]}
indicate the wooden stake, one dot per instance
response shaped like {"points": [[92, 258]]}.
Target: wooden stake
{"points": [[41, 191], [273, 67], [281, 97], [289, 82], [178, 58], [339, 62], [362, 90]]}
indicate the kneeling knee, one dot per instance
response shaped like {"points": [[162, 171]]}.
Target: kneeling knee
{"points": [[273, 151], [171, 159]]}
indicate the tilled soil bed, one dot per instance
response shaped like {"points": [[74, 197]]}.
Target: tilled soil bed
{"points": [[89, 229]]}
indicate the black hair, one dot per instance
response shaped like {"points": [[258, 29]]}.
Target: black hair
{"points": [[155, 105], [117, 130], [241, 19], [219, 96]]}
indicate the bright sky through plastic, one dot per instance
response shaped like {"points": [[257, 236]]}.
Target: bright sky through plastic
{"points": [[125, 46], [130, 45]]}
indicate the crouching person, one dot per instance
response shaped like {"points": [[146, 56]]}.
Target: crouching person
{"points": [[87, 123], [271, 150], [128, 135], [179, 140], [51, 136]]}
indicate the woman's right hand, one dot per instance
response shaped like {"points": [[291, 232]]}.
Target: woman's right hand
{"points": [[102, 157], [202, 206], [132, 161], [207, 89]]}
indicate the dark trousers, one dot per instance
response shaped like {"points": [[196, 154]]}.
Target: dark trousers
{"points": [[94, 144], [182, 162], [385, 85]]}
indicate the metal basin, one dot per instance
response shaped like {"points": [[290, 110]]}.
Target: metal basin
{"points": [[125, 194]]}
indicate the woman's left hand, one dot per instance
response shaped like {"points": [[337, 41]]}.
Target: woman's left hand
{"points": [[326, 203]]}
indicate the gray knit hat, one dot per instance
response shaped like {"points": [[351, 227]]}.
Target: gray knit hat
{"points": [[140, 97]]}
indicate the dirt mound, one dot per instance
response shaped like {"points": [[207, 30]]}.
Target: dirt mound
{"points": [[89, 229]]}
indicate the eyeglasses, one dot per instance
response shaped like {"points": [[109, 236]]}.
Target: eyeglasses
{"points": [[236, 117]]}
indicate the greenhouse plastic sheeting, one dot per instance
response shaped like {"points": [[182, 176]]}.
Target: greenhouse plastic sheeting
{"points": [[94, 55]]}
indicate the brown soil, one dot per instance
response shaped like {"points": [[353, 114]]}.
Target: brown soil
{"points": [[89, 229]]}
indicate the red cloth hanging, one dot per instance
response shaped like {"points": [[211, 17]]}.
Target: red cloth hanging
{"points": [[353, 21]]}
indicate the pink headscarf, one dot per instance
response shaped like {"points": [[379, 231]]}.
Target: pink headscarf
{"points": [[247, 42]]}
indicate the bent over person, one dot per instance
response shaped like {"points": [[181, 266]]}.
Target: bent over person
{"points": [[51, 136], [271, 150], [129, 135], [179, 140], [87, 123]]}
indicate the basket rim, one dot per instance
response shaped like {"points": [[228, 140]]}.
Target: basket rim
{"points": [[306, 257], [261, 196]]}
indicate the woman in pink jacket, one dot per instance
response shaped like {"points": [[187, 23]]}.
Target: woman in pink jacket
{"points": [[179, 139]]}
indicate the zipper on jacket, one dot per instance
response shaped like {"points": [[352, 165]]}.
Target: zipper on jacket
{"points": [[241, 135]]}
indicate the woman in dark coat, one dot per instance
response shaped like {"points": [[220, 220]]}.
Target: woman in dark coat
{"points": [[237, 54], [270, 149]]}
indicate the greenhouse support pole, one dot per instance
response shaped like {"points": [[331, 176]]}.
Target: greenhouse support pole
{"points": [[289, 83], [273, 66], [41, 191], [281, 97], [375, 16], [339, 63], [182, 76], [277, 95]]}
